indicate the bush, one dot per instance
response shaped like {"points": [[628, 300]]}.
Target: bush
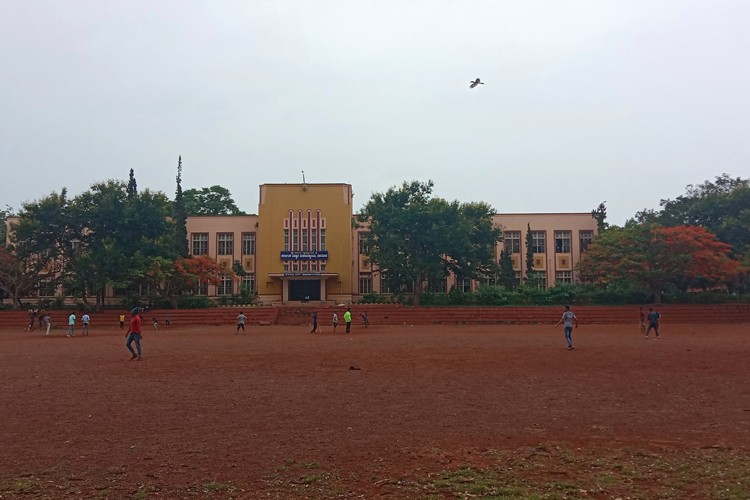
{"points": [[377, 298], [193, 302]]}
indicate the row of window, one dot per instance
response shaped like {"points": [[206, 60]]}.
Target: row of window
{"points": [[224, 244], [225, 287], [309, 241], [304, 239], [512, 241]]}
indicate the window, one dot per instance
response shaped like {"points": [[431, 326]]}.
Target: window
{"points": [[201, 289], [364, 243], [315, 239], [295, 240], [541, 281], [225, 286], [587, 237], [384, 288], [322, 239], [464, 284], [518, 279], [226, 243], [490, 280], [512, 241], [286, 240], [248, 243], [437, 286], [304, 239], [562, 241], [538, 242], [200, 243], [248, 282], [365, 283], [564, 277], [47, 288]]}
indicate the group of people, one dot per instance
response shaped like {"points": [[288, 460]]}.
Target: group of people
{"points": [[46, 319], [335, 321], [569, 319], [135, 330]]}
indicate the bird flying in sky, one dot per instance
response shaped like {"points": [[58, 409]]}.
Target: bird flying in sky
{"points": [[475, 83]]}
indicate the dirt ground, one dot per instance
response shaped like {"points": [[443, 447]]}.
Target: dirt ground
{"points": [[386, 412]]}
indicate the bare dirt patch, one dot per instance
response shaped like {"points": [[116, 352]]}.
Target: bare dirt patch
{"points": [[389, 411]]}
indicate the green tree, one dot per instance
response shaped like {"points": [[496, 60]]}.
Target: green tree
{"points": [[721, 206], [215, 200], [179, 214], [656, 257], [3, 227], [132, 189], [21, 273], [529, 252], [600, 216], [105, 236], [507, 274], [418, 239]]}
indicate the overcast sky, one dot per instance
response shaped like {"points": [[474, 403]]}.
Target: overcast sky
{"points": [[585, 101]]}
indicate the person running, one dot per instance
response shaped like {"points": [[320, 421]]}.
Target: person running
{"points": [[241, 323], [156, 322], [134, 335], [122, 321], [335, 321], [314, 322], [568, 318], [71, 325], [47, 321], [85, 319], [653, 322], [348, 320]]}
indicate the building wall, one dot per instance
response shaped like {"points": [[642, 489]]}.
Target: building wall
{"points": [[555, 262], [311, 209], [219, 227], [343, 274]]}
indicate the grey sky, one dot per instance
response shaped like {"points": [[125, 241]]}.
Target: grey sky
{"points": [[584, 101]]}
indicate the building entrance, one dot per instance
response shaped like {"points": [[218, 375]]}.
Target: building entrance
{"points": [[304, 289]]}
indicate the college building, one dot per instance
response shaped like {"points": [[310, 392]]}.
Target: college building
{"points": [[306, 245]]}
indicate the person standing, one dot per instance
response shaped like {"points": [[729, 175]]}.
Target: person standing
{"points": [[365, 320], [71, 325], [47, 321], [241, 323], [85, 319], [41, 318], [642, 321], [167, 321], [156, 322], [122, 321], [568, 318], [134, 335], [32, 320], [653, 322], [315, 323], [348, 320], [335, 321]]}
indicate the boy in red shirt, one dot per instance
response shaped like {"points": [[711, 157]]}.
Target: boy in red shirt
{"points": [[134, 335]]}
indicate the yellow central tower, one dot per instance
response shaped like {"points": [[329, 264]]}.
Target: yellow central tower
{"points": [[305, 243]]}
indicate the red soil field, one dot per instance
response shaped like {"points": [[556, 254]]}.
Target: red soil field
{"points": [[380, 413]]}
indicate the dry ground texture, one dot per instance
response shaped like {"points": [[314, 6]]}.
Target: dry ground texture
{"points": [[480, 411]]}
